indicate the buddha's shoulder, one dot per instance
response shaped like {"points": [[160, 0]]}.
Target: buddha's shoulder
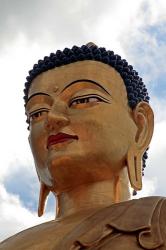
{"points": [[136, 213], [44, 236], [31, 238], [135, 224]]}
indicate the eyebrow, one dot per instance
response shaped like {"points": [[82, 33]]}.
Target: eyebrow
{"points": [[86, 80], [39, 93]]}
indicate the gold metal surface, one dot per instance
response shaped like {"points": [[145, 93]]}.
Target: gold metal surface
{"points": [[93, 171]]}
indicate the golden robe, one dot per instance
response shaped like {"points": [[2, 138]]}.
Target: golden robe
{"points": [[130, 225]]}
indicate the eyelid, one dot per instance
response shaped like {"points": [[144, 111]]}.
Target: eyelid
{"points": [[36, 111], [89, 95], [36, 107]]}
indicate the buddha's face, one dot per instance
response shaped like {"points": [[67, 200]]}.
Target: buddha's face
{"points": [[80, 124]]}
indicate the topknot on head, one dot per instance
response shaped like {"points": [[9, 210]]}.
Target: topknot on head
{"points": [[91, 44]]}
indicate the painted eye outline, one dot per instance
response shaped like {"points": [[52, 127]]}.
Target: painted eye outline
{"points": [[36, 114], [84, 97]]}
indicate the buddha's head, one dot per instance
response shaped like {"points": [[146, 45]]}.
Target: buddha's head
{"points": [[89, 118]]}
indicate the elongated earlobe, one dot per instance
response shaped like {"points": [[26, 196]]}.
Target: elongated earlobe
{"points": [[44, 192], [134, 164], [144, 120]]}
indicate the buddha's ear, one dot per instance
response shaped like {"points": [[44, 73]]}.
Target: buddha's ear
{"points": [[44, 191], [144, 120]]}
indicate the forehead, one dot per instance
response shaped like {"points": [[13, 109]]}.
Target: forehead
{"points": [[58, 78]]}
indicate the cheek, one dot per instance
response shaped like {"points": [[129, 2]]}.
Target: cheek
{"points": [[106, 131], [96, 124], [37, 139], [87, 129]]}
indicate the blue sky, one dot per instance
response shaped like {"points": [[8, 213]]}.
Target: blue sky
{"points": [[32, 29]]}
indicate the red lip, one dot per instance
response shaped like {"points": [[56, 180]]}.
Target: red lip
{"points": [[58, 138]]}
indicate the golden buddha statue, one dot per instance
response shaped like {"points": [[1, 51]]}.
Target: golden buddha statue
{"points": [[90, 125]]}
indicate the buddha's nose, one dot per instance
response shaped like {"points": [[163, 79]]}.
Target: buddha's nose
{"points": [[56, 120]]}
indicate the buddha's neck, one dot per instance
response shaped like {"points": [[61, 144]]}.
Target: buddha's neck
{"points": [[93, 196]]}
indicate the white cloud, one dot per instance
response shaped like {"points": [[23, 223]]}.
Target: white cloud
{"points": [[154, 11], [149, 187], [143, 39], [14, 217]]}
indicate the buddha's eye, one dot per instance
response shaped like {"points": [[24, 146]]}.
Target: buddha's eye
{"points": [[87, 99], [37, 114]]}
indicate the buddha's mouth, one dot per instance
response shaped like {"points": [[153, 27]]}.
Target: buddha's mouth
{"points": [[59, 138]]}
